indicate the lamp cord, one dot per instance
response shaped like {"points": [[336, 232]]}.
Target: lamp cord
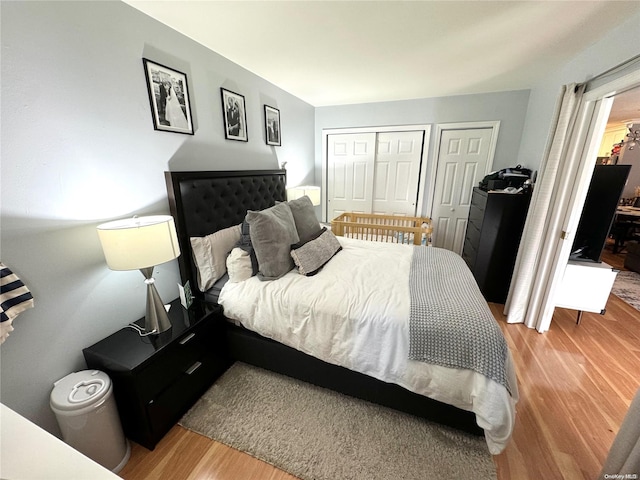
{"points": [[140, 330]]}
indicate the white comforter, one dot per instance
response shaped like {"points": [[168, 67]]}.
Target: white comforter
{"points": [[355, 313]]}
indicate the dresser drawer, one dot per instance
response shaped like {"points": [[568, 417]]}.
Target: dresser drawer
{"points": [[476, 216], [479, 199], [469, 254], [472, 236], [174, 360]]}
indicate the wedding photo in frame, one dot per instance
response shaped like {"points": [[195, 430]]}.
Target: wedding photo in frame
{"points": [[235, 116], [272, 125], [169, 98]]}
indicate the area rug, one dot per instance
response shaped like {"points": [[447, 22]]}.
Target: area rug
{"points": [[317, 434], [627, 287]]}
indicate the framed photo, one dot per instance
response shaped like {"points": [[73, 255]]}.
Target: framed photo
{"points": [[234, 116], [169, 98], [272, 125]]}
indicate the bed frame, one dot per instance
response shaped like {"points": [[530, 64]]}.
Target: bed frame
{"points": [[203, 202]]}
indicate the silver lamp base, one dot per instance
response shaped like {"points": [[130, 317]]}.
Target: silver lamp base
{"points": [[156, 319]]}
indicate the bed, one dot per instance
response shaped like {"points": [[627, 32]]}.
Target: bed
{"points": [[367, 359]]}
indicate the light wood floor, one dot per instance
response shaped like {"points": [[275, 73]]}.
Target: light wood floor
{"points": [[576, 383]]}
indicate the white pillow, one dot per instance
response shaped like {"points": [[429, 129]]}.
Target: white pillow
{"points": [[239, 266], [210, 255]]}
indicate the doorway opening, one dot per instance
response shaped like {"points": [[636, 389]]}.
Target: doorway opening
{"points": [[546, 246]]}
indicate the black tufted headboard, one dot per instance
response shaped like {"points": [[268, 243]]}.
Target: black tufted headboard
{"points": [[204, 202]]}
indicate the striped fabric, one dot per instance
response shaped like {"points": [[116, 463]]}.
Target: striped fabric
{"points": [[15, 297]]}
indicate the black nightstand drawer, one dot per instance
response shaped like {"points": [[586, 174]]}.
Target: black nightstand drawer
{"points": [[167, 408], [175, 360]]}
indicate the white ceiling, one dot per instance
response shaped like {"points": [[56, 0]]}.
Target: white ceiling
{"points": [[341, 52]]}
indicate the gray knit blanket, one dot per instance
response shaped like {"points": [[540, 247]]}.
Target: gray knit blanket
{"points": [[450, 323]]}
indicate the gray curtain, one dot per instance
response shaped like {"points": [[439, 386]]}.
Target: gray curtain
{"points": [[623, 460]]}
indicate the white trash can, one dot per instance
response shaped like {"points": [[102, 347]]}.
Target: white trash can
{"points": [[86, 412]]}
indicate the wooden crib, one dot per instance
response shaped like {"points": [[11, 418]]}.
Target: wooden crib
{"points": [[383, 228]]}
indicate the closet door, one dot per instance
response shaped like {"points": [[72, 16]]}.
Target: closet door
{"points": [[351, 163], [397, 172], [462, 162], [373, 172]]}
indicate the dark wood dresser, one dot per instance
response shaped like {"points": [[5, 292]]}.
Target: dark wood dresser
{"points": [[158, 377], [493, 235]]}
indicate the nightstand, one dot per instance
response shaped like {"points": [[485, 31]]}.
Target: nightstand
{"points": [[157, 378]]}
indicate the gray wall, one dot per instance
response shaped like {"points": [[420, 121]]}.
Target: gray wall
{"points": [[616, 47], [509, 108], [78, 149]]}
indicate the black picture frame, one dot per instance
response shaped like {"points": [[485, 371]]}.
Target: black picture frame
{"points": [[273, 134], [234, 115], [169, 98]]}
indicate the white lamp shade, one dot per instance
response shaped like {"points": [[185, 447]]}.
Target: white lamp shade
{"points": [[310, 191], [139, 242]]}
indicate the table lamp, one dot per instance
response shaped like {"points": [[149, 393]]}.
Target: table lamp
{"points": [[310, 191], [141, 243]]}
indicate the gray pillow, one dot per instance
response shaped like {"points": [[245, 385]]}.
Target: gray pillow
{"points": [[272, 232], [304, 215], [313, 255], [245, 244]]}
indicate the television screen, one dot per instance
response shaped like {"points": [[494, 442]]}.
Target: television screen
{"points": [[603, 196]]}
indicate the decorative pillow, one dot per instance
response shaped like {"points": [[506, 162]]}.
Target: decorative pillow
{"points": [[210, 255], [272, 232], [304, 216], [310, 257], [239, 265], [246, 245]]}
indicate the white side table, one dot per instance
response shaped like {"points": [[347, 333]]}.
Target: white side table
{"points": [[586, 287]]}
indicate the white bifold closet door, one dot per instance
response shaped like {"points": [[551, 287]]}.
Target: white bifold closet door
{"points": [[373, 172]]}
